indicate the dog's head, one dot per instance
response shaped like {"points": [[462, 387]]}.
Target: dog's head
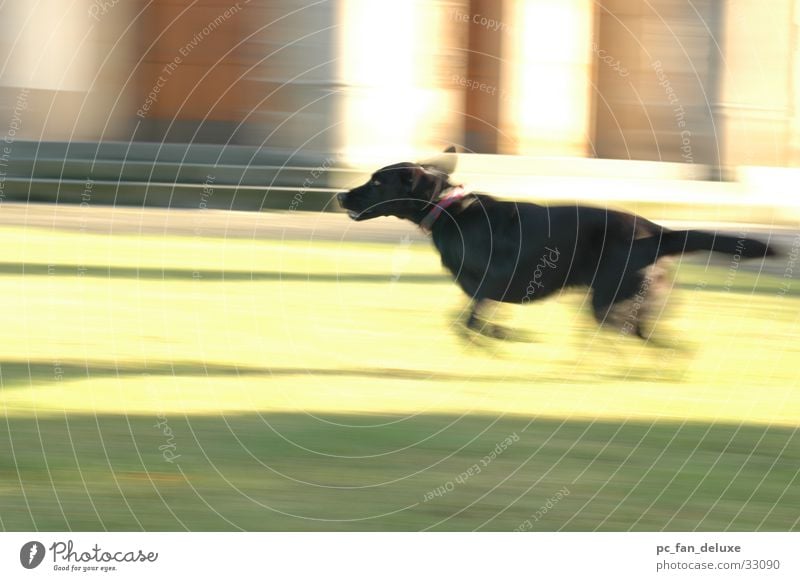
{"points": [[406, 190]]}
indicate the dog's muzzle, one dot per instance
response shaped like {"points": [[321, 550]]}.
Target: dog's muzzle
{"points": [[342, 198]]}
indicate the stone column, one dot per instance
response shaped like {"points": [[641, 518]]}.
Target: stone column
{"points": [[759, 80], [65, 64], [397, 63], [547, 77]]}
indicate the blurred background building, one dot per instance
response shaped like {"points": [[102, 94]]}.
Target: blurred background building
{"points": [[712, 83]]}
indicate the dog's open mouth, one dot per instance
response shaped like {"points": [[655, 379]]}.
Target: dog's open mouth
{"points": [[356, 215], [362, 215]]}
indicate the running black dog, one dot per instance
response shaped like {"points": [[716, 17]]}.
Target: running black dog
{"points": [[520, 252]]}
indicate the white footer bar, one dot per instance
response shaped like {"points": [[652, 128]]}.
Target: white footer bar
{"points": [[389, 556]]}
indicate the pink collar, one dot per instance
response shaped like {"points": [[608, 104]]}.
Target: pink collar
{"points": [[448, 198]]}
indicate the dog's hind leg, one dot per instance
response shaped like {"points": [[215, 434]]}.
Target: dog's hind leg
{"points": [[631, 307], [630, 302], [611, 298]]}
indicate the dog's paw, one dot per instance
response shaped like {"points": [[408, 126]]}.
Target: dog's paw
{"points": [[496, 332], [500, 332], [474, 340], [516, 335]]}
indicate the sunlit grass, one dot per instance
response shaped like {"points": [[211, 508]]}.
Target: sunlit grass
{"points": [[216, 325]]}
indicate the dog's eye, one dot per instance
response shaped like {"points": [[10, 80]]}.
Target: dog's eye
{"points": [[376, 182]]}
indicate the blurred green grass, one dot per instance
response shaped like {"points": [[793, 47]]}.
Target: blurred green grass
{"points": [[323, 386], [292, 472]]}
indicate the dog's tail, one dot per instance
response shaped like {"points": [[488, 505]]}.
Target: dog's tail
{"points": [[671, 242], [680, 241]]}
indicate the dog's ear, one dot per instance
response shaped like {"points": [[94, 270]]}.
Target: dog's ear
{"points": [[413, 174], [444, 163], [430, 176]]}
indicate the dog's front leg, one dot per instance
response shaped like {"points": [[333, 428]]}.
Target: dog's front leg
{"points": [[474, 321], [479, 324]]}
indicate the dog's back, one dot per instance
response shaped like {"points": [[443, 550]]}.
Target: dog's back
{"points": [[496, 248]]}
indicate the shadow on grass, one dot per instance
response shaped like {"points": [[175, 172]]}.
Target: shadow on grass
{"points": [[149, 273], [16, 374], [294, 472], [766, 285]]}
